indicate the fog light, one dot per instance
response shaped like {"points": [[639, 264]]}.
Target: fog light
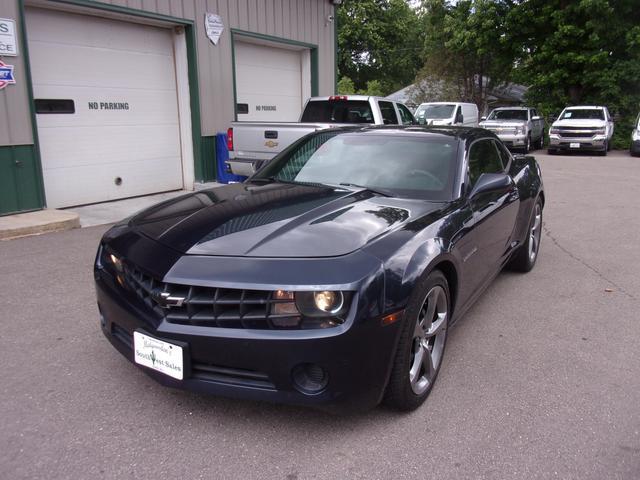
{"points": [[310, 378]]}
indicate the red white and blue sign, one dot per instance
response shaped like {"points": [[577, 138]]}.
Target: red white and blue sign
{"points": [[6, 75]]}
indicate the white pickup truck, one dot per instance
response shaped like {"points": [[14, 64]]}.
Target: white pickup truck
{"points": [[252, 144], [517, 127], [582, 128]]}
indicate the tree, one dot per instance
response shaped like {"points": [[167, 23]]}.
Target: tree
{"points": [[466, 51], [379, 40], [580, 52], [346, 86]]}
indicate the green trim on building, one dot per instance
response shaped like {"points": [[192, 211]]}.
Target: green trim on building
{"points": [[210, 159], [314, 60], [19, 166], [35, 188], [335, 49], [126, 10]]}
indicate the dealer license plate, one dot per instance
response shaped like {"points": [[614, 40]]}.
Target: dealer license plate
{"points": [[574, 145], [158, 355]]}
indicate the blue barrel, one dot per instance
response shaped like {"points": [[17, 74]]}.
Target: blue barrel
{"points": [[222, 155]]}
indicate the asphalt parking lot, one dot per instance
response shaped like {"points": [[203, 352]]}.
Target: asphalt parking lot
{"points": [[541, 378]]}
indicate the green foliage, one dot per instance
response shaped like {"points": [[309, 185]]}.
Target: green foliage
{"points": [[346, 86], [580, 52], [379, 40], [466, 48]]}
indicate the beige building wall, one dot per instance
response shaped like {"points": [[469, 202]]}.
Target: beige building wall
{"points": [[307, 21]]}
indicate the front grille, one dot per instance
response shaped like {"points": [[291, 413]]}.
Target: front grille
{"points": [[210, 306], [577, 132], [231, 376]]}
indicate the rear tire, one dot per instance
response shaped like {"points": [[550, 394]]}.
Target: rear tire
{"points": [[524, 259], [421, 345]]}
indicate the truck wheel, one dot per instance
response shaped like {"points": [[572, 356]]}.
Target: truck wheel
{"points": [[540, 143], [551, 151], [603, 152], [527, 145]]}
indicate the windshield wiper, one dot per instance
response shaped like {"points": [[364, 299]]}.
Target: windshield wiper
{"points": [[384, 193]]}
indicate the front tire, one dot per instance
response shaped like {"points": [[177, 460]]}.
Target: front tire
{"points": [[524, 259], [527, 145], [421, 346]]}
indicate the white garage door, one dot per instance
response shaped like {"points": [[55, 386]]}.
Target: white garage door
{"points": [[120, 137], [271, 83]]}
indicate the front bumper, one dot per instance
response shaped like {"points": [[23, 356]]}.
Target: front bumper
{"points": [[597, 143], [513, 140], [258, 364]]}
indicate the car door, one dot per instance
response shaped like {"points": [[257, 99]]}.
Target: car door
{"points": [[494, 213], [536, 124], [405, 115]]}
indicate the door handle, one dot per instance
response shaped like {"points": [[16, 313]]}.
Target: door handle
{"points": [[18, 163]]}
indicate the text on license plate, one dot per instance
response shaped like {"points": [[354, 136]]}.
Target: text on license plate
{"points": [[158, 355], [574, 145]]}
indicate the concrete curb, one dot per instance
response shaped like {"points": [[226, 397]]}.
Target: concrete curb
{"points": [[36, 223]]}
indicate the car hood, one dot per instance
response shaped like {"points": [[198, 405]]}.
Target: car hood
{"points": [[502, 123], [579, 122], [275, 220]]}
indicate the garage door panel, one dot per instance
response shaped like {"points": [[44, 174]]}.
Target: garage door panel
{"points": [[97, 62], [83, 66], [269, 81], [113, 145], [272, 80], [146, 107], [96, 32], [142, 175], [263, 56]]}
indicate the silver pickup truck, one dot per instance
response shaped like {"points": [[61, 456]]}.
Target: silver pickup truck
{"points": [[252, 144], [517, 127]]}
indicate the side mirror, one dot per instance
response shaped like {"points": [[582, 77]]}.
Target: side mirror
{"points": [[482, 119], [536, 118], [490, 182]]}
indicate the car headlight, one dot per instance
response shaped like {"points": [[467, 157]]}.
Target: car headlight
{"points": [[314, 309], [323, 303], [554, 131], [600, 131], [519, 130], [636, 134]]}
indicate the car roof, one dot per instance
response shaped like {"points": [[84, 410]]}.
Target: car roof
{"points": [[461, 133], [584, 107], [512, 108]]}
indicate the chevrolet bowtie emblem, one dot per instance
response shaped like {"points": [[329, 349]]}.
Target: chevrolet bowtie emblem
{"points": [[166, 300], [270, 144]]}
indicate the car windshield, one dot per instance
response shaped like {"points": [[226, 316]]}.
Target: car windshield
{"points": [[583, 114], [338, 111], [409, 165], [508, 115], [434, 112]]}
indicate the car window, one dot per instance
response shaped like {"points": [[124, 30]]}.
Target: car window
{"points": [[405, 115], [483, 158], [505, 156], [508, 115], [338, 111], [583, 114], [388, 113], [409, 166]]}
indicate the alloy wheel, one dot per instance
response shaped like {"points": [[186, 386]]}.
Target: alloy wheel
{"points": [[535, 232], [428, 340]]}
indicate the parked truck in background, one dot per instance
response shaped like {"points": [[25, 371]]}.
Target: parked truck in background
{"points": [[582, 128], [447, 113], [252, 144], [517, 127]]}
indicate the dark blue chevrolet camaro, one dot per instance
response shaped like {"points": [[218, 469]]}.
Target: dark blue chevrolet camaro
{"points": [[329, 278]]}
